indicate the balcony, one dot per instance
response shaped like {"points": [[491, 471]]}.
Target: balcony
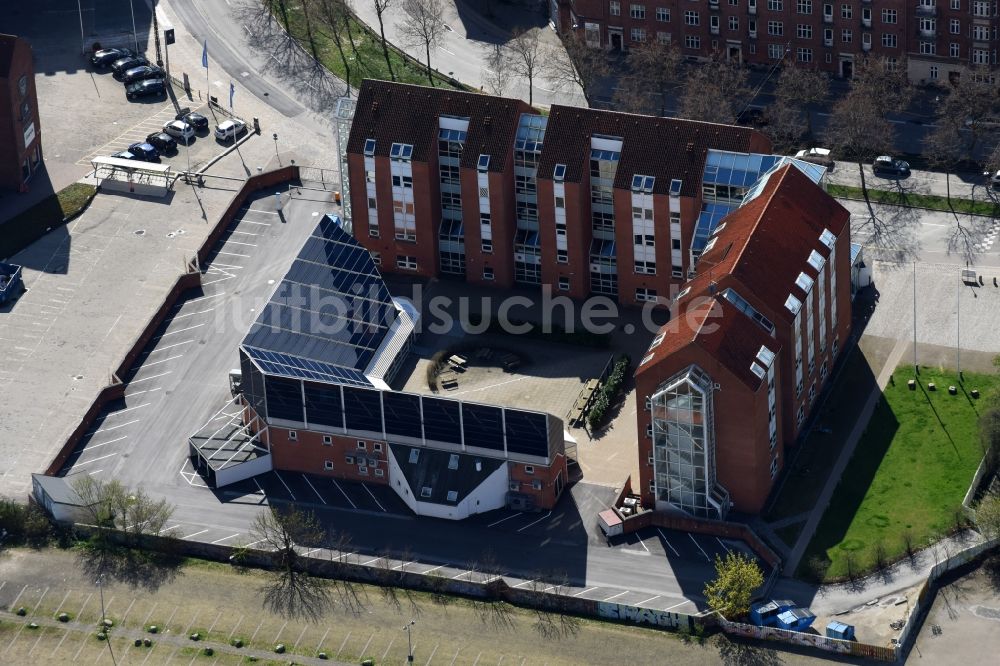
{"points": [[866, 46], [924, 10], [753, 34], [828, 41], [866, 22], [928, 32], [752, 9], [713, 4], [827, 18], [714, 29]]}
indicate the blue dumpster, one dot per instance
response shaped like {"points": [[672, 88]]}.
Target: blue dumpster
{"points": [[796, 619], [840, 630], [765, 613], [11, 285]]}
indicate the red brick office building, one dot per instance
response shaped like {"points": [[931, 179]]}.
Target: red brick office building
{"points": [[935, 38], [728, 384], [20, 133], [482, 188]]}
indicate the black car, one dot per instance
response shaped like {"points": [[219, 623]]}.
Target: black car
{"points": [[162, 141], [105, 57], [145, 88], [195, 120], [122, 65], [144, 151], [143, 72], [887, 166]]}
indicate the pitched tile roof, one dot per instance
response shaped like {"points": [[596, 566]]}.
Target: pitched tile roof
{"points": [[7, 45], [396, 112], [666, 148], [766, 242]]}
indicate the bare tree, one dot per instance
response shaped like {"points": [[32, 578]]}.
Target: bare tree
{"points": [[656, 66], [632, 96], [290, 591], [574, 64], [113, 506], [381, 7], [498, 71], [798, 88], [786, 125], [972, 104], [525, 49], [424, 27], [333, 17], [859, 129], [714, 92]]}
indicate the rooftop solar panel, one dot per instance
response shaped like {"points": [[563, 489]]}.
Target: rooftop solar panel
{"points": [[329, 314]]}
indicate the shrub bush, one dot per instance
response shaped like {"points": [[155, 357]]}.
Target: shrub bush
{"points": [[63, 617], [608, 392], [280, 648]]}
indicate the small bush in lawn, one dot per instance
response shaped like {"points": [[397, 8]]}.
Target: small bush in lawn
{"points": [[146, 642], [63, 617], [32, 625], [280, 648], [108, 622], [322, 655], [153, 629], [101, 636], [195, 636], [22, 611], [208, 652], [237, 642], [137, 642]]}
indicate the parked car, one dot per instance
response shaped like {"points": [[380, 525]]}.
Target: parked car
{"points": [[993, 178], [105, 57], [144, 151], [122, 65], [819, 156], [145, 88], [195, 120], [124, 155], [230, 129], [889, 167], [179, 130], [143, 72], [162, 141]]}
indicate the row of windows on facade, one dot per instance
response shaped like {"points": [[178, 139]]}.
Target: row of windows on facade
{"points": [[980, 8]]}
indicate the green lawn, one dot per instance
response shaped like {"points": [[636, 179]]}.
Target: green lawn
{"points": [[366, 60], [928, 201], [908, 475], [22, 230]]}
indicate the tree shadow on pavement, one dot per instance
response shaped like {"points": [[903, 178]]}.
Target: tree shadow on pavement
{"points": [[734, 652], [145, 569]]}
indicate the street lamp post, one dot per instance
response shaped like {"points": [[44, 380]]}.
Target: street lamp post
{"points": [[83, 41], [275, 135], [135, 36], [409, 642], [104, 626]]}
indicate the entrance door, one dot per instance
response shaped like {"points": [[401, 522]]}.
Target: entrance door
{"points": [[616, 41], [846, 69], [734, 54]]}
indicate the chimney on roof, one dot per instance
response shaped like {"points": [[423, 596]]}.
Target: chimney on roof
{"points": [[486, 120], [690, 146]]}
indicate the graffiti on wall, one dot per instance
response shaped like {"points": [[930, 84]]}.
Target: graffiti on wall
{"points": [[655, 618]]}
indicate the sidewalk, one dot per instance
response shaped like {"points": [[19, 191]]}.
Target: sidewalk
{"points": [[469, 34], [963, 186]]}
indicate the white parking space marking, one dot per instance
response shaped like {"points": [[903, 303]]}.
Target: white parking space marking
{"points": [[503, 519], [314, 489], [373, 496], [615, 596], [189, 536], [146, 365], [129, 395], [110, 441], [146, 379], [353, 505], [589, 589], [686, 601], [191, 314], [664, 537], [226, 538], [87, 462], [127, 409], [285, 485], [120, 425], [230, 241], [525, 582], [200, 298], [643, 603], [535, 522], [707, 558], [263, 224], [723, 545], [643, 544], [180, 330], [440, 566], [374, 559], [245, 233], [166, 347]]}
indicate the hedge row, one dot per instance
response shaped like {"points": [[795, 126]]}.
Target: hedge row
{"points": [[608, 392]]}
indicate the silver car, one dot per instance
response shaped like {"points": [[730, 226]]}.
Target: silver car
{"points": [[179, 130]]}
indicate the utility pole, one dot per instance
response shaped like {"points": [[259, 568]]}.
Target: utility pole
{"points": [[409, 642], [135, 36], [83, 41], [916, 369], [156, 38], [958, 332]]}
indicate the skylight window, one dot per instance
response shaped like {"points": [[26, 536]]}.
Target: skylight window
{"points": [[426, 491], [827, 238], [675, 187], [453, 461], [414, 456], [369, 147], [484, 162], [804, 282], [647, 359], [719, 228], [401, 151], [683, 293], [793, 304], [816, 260], [452, 495], [710, 244], [559, 173], [757, 370], [657, 340], [642, 183], [765, 356]]}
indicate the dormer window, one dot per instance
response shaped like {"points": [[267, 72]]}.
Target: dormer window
{"points": [[559, 173], [369, 147], [401, 151], [675, 187], [804, 282], [816, 260], [484, 163], [793, 304], [642, 183], [827, 238], [765, 356]]}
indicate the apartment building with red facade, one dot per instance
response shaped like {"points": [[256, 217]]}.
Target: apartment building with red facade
{"points": [[729, 382], [937, 39], [485, 189], [20, 131]]}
